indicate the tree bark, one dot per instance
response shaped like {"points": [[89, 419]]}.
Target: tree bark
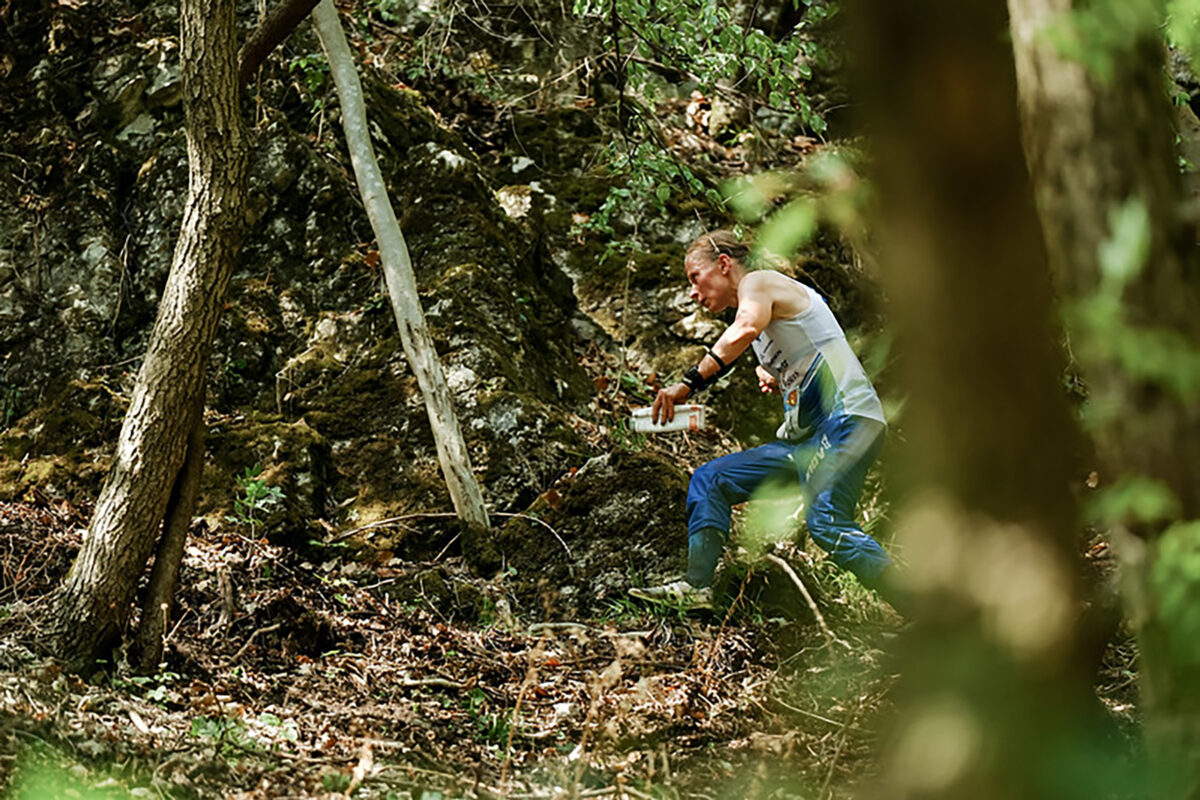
{"points": [[278, 25], [94, 603], [402, 289], [160, 594], [1093, 145], [995, 686]]}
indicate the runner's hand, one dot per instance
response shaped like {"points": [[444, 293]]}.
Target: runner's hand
{"points": [[766, 381], [663, 409]]}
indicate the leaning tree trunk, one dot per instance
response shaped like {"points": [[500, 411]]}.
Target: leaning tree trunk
{"points": [[94, 603], [994, 686], [159, 599], [1097, 144], [402, 288]]}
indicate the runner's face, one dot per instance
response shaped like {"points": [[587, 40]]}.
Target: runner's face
{"points": [[709, 280]]}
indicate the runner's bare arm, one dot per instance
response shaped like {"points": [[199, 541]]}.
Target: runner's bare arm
{"points": [[755, 306]]}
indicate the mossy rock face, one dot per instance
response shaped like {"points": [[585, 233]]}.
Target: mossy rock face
{"points": [[513, 334], [289, 456], [308, 377], [64, 447], [623, 517], [525, 446], [556, 141]]}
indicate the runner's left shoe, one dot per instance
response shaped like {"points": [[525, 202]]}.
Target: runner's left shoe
{"points": [[680, 594]]}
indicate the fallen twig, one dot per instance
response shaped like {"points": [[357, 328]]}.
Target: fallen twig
{"points": [[843, 735], [366, 763], [791, 573], [531, 673], [228, 605], [242, 650], [538, 627], [445, 514], [442, 683], [812, 715], [706, 667]]}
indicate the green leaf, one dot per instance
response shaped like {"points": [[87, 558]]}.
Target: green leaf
{"points": [[1175, 582], [1123, 255], [789, 228], [1133, 499]]}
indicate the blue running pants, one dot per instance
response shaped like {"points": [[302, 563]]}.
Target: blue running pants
{"points": [[831, 466]]}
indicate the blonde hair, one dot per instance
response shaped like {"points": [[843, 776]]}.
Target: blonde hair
{"points": [[714, 243]]}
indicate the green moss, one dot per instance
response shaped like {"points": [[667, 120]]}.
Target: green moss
{"points": [[14, 445], [63, 445], [657, 267], [41, 471], [292, 456], [557, 139]]}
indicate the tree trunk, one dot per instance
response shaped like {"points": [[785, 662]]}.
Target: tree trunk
{"points": [[160, 594], [1092, 145], [278, 25], [1095, 145], [994, 687], [94, 603], [402, 288]]}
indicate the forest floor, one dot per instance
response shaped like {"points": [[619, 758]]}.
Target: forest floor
{"points": [[295, 673], [291, 676]]}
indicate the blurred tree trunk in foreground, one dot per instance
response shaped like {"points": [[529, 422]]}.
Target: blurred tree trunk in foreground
{"points": [[1098, 135], [995, 697], [94, 603]]}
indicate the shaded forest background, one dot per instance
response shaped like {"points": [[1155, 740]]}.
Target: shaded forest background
{"points": [[331, 638]]}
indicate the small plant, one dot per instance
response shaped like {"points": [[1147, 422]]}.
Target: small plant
{"points": [[256, 499], [335, 781], [10, 400], [229, 735], [490, 726], [311, 70], [621, 609], [625, 609], [155, 686]]}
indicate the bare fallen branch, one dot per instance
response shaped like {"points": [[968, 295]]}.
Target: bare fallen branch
{"points": [[791, 573], [242, 650], [382, 523]]}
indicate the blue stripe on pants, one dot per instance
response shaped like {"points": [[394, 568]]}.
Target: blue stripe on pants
{"points": [[831, 465]]}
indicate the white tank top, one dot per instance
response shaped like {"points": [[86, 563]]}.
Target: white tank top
{"points": [[818, 374]]}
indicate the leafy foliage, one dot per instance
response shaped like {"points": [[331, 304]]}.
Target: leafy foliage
{"points": [[1134, 499], [1144, 353], [1101, 34], [1175, 577], [789, 207], [705, 40], [1183, 26], [707, 44]]}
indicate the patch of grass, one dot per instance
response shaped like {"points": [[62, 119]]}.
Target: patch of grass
{"points": [[622, 610]]}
